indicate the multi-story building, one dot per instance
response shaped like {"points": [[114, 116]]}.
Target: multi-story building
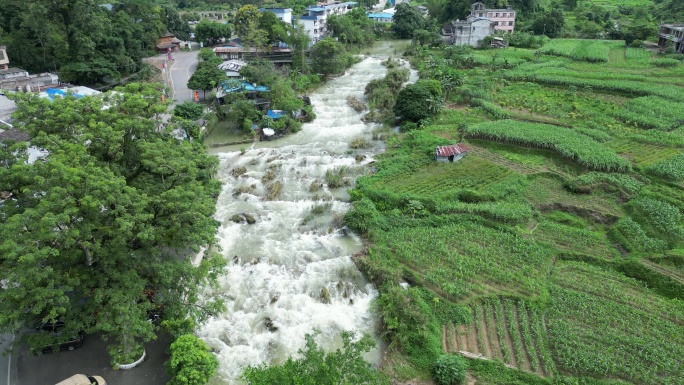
{"points": [[314, 21], [504, 19], [283, 14], [467, 32], [673, 33]]}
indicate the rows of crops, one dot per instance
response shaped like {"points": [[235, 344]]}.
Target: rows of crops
{"points": [[565, 237], [566, 142], [664, 217], [632, 237], [629, 87], [670, 168], [652, 112], [582, 50], [603, 324], [463, 258], [508, 330]]}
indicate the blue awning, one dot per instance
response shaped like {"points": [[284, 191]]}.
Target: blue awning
{"points": [[244, 86], [276, 114]]}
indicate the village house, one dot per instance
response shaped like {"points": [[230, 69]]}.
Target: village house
{"points": [[673, 33], [451, 153], [467, 32], [17, 79], [382, 17], [504, 19], [283, 14], [168, 43], [314, 22], [232, 68]]}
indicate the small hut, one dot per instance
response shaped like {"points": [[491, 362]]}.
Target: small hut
{"points": [[451, 153]]}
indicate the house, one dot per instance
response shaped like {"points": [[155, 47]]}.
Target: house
{"points": [[672, 33], [504, 19], [168, 43], [276, 55], [4, 60], [283, 14], [314, 22], [472, 33], [381, 17], [451, 153], [232, 68]]}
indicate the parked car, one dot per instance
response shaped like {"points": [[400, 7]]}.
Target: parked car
{"points": [[61, 340], [83, 379]]}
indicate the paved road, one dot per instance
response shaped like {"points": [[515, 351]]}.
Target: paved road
{"points": [[181, 70], [91, 358], [5, 359]]}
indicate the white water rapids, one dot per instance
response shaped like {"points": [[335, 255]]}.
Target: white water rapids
{"points": [[283, 266]]}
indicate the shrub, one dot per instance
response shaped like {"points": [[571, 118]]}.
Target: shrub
{"points": [[188, 110], [450, 370], [665, 62]]}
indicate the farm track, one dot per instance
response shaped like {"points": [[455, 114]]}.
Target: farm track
{"points": [[480, 338], [672, 273], [502, 161]]}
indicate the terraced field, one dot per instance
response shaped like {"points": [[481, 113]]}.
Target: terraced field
{"points": [[507, 330]]}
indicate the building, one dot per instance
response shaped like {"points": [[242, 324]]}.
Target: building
{"points": [[472, 33], [314, 22], [381, 17], [504, 19], [4, 60], [451, 153], [168, 43], [276, 55], [232, 68], [283, 14], [672, 33]]}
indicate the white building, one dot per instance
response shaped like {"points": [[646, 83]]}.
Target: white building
{"points": [[471, 32], [283, 14], [314, 21]]}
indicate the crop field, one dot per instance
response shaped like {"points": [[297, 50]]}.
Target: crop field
{"points": [[471, 172], [467, 258], [568, 143], [508, 330], [605, 324], [580, 49], [556, 247]]}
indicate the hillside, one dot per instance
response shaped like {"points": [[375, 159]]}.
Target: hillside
{"points": [[555, 246]]}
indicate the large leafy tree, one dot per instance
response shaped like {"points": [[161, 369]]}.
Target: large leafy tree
{"points": [[407, 20], [316, 367], [207, 76], [211, 32], [191, 361], [328, 57], [100, 232], [353, 28], [419, 100]]}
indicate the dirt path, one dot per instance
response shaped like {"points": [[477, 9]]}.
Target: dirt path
{"points": [[507, 338], [462, 338], [472, 338], [494, 345], [482, 332], [673, 273]]}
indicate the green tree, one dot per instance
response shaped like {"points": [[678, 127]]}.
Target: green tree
{"points": [[549, 23], [328, 57], [211, 32], [419, 100], [298, 40], [188, 110], [342, 366], [207, 76], [174, 23], [450, 369], [102, 229], [353, 28], [246, 20], [191, 361], [407, 20]]}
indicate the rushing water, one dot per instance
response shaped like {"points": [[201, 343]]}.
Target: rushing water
{"points": [[291, 272]]}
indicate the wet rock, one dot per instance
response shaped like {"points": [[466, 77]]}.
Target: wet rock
{"points": [[249, 218], [325, 296], [237, 218], [270, 326], [359, 158], [275, 298]]}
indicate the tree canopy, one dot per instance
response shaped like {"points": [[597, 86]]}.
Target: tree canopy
{"points": [[207, 76], [342, 366], [191, 361], [211, 32], [419, 100], [100, 232], [407, 19], [82, 40], [328, 57]]}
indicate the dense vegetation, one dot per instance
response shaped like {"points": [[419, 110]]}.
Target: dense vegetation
{"points": [[555, 245]]}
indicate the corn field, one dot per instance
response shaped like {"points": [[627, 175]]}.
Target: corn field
{"points": [[595, 51]]}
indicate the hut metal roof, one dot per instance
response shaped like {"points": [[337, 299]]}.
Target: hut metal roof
{"points": [[451, 150]]}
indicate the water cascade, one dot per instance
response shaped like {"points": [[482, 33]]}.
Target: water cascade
{"points": [[290, 269]]}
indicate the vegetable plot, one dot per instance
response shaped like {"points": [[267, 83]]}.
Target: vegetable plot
{"points": [[581, 50]]}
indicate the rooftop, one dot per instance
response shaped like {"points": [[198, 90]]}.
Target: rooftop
{"points": [[14, 136], [381, 15], [13, 70], [451, 150], [276, 10]]}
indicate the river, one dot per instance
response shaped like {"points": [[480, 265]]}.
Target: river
{"points": [[291, 272]]}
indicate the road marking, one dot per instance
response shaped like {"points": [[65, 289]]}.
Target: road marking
{"points": [[9, 362]]}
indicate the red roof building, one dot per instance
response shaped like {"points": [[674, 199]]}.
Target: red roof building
{"points": [[451, 153]]}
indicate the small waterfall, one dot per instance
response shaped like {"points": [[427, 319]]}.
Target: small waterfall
{"points": [[291, 271]]}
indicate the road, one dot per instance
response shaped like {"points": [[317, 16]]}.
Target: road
{"points": [[91, 358], [5, 360], [181, 70]]}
